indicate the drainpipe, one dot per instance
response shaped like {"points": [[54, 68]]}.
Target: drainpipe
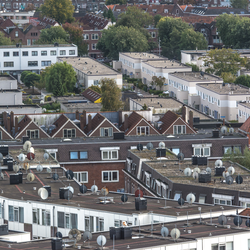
{"points": [[3, 209], [53, 221]]}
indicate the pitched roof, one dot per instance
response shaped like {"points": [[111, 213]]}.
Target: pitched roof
{"points": [[91, 95], [23, 124], [246, 125], [62, 119], [167, 120], [7, 23], [245, 212], [92, 22], [198, 19], [95, 123]]}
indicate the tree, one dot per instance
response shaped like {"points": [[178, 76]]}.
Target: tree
{"points": [[59, 78], [24, 73], [228, 77], [53, 35], [76, 36], [30, 79], [105, 14], [110, 2], [239, 4], [121, 39], [111, 95], [61, 10], [4, 40], [158, 81], [223, 61], [110, 15], [243, 80], [157, 18], [96, 89], [195, 68]]}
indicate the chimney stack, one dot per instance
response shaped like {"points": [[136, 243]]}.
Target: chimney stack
{"points": [[8, 125], [77, 115], [191, 120], [5, 119], [11, 120], [223, 121], [84, 114], [184, 110], [82, 122], [16, 125], [125, 122], [89, 122], [120, 116]]}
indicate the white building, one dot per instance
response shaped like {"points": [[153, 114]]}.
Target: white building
{"points": [[17, 17], [14, 60]]}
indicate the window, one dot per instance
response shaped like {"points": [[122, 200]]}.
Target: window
{"points": [[179, 129], [32, 63], [28, 41], [36, 215], [81, 176], [25, 53], [99, 224], [95, 36], [33, 134], [16, 214], [8, 64], [73, 155], [16, 33], [43, 53], [34, 53], [66, 220], [46, 63], [6, 54], [202, 199], [93, 46], [202, 151], [45, 217], [72, 52], [106, 131], [53, 52], [33, 34], [69, 133], [153, 35], [223, 202], [177, 196], [108, 176], [109, 155], [144, 130], [96, 82], [86, 36], [62, 52], [83, 154], [230, 149]]}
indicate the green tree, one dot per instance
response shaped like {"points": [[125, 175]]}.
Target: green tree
{"points": [[76, 36], [96, 89], [110, 2], [157, 18], [158, 81], [239, 4], [223, 61], [4, 40], [243, 80], [111, 15], [105, 14], [61, 10], [24, 73], [195, 68], [30, 79], [59, 78], [53, 35], [111, 95], [228, 77], [121, 39]]}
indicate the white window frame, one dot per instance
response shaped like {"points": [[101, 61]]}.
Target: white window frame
{"points": [[93, 46], [147, 130], [110, 132], [109, 150], [201, 148], [62, 52], [45, 215], [78, 176], [175, 129], [110, 176], [94, 36], [68, 134], [34, 131], [85, 36]]}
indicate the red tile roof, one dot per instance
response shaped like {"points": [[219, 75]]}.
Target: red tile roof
{"points": [[246, 125], [92, 22], [198, 19], [91, 95], [245, 212]]}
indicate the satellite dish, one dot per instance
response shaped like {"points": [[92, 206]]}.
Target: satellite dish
{"points": [[181, 201], [138, 193], [21, 157], [161, 144], [180, 156], [248, 222], [75, 234], [2, 175], [190, 198], [237, 221], [27, 145], [94, 189], [1, 156], [239, 179], [83, 189], [229, 180], [218, 163], [231, 131], [223, 130], [222, 220], [39, 168], [197, 170], [55, 177], [31, 156], [175, 233], [164, 232], [31, 150], [30, 177], [46, 156], [231, 170], [139, 147], [124, 198], [225, 174], [195, 175], [16, 168], [86, 236], [150, 146], [68, 195], [187, 171], [69, 174], [26, 165], [59, 235], [101, 240], [208, 170], [49, 170], [43, 193], [71, 189], [104, 191]]}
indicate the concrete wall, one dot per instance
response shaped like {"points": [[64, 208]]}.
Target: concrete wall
{"points": [[8, 83], [11, 98]]}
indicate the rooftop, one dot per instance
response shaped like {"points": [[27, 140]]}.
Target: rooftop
{"points": [[36, 46], [226, 89], [141, 55], [89, 66], [6, 77], [245, 104], [166, 64], [196, 76]]}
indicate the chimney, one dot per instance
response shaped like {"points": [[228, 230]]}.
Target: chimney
{"points": [[84, 117], [16, 124], [11, 120], [82, 121], [223, 121], [191, 120], [77, 115], [125, 122], [184, 111], [120, 116], [5, 119], [89, 122], [8, 125]]}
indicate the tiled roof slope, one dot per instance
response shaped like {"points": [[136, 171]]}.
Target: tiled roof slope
{"points": [[91, 95], [59, 123], [167, 120], [91, 22], [246, 125]]}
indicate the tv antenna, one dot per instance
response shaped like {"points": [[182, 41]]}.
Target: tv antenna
{"points": [[16, 168], [139, 147], [87, 237], [30, 177], [39, 168], [162, 145], [59, 234], [223, 130], [55, 176], [237, 221], [94, 189], [238, 179], [209, 170], [69, 174], [229, 180], [181, 201]]}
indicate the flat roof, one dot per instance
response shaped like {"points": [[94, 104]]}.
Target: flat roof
{"points": [[194, 51], [166, 64], [37, 46], [7, 77], [142, 55], [89, 66], [89, 107], [245, 104], [226, 89], [196, 76]]}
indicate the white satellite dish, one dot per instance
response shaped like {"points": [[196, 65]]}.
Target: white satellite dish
{"points": [[101, 240], [195, 175], [27, 145], [30, 177], [49, 170], [197, 170], [71, 189], [231, 170], [43, 193], [46, 156], [39, 168], [94, 189], [218, 163], [16, 168], [231, 131], [190, 198], [161, 144], [2, 175], [187, 172], [175, 233], [31, 150], [21, 157], [223, 130], [225, 174], [208, 170]]}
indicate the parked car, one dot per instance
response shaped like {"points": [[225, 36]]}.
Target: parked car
{"points": [[166, 92], [139, 94]]}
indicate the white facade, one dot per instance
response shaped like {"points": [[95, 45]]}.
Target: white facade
{"points": [[32, 58], [243, 111], [18, 17]]}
